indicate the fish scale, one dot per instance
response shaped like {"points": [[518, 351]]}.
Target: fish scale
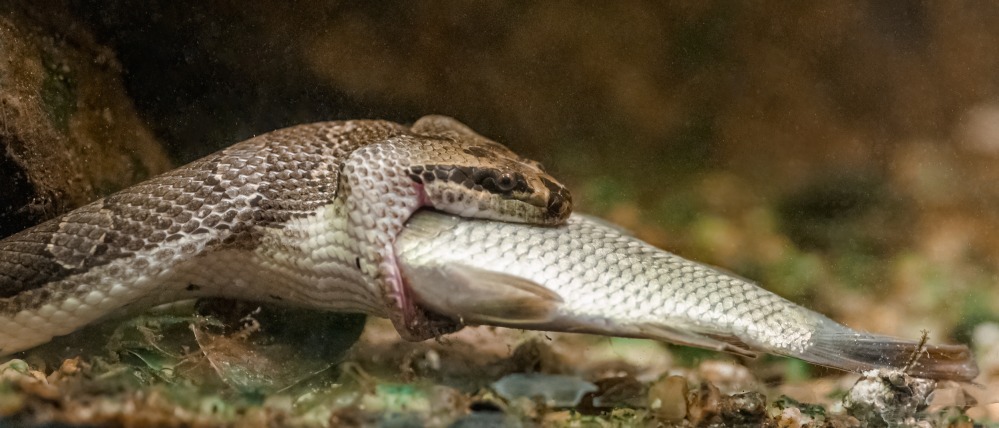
{"points": [[587, 276]]}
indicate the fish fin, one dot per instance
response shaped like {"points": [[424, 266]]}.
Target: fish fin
{"points": [[476, 295], [652, 331], [721, 343], [839, 347]]}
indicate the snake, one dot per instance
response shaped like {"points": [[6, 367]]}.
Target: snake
{"points": [[304, 216]]}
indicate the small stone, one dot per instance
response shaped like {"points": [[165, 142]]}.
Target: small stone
{"points": [[884, 398], [555, 390], [668, 399], [703, 405], [729, 377], [743, 408]]}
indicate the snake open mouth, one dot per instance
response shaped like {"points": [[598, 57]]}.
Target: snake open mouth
{"points": [[413, 321], [418, 322]]}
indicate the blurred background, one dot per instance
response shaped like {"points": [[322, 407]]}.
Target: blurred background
{"points": [[843, 155]]}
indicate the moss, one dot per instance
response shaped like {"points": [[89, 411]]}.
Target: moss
{"points": [[814, 411]]}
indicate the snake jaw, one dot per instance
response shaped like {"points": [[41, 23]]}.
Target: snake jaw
{"points": [[411, 321], [470, 176], [421, 196], [544, 203]]}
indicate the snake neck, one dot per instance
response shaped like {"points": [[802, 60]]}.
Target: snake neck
{"points": [[379, 199]]}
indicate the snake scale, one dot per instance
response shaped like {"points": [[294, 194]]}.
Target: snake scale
{"points": [[304, 215]]}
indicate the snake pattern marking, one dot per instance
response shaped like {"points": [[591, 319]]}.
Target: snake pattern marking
{"points": [[305, 215]]}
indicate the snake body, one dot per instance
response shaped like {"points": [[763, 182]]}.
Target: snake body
{"points": [[305, 215]]}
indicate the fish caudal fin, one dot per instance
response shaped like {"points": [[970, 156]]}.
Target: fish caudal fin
{"points": [[836, 346]]}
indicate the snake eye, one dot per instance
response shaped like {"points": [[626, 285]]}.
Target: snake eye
{"points": [[505, 182]]}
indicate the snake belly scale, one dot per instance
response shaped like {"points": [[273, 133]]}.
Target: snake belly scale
{"points": [[305, 215]]}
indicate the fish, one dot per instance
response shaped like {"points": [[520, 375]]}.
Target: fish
{"points": [[589, 276]]}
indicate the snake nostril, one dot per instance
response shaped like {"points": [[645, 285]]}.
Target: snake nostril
{"points": [[558, 205]]}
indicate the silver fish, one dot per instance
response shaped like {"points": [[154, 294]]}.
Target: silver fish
{"points": [[590, 277]]}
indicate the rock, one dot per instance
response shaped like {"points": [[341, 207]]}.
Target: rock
{"points": [[883, 398], [68, 132], [743, 408], [709, 407], [703, 405], [668, 399], [553, 390]]}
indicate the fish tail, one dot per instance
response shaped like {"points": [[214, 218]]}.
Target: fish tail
{"points": [[834, 345]]}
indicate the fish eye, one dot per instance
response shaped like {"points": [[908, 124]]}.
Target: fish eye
{"points": [[505, 182]]}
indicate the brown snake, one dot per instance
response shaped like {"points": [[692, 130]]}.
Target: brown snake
{"points": [[305, 215]]}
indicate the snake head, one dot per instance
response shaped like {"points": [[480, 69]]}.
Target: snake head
{"points": [[472, 176]]}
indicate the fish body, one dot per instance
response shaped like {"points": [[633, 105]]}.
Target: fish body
{"points": [[587, 276]]}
